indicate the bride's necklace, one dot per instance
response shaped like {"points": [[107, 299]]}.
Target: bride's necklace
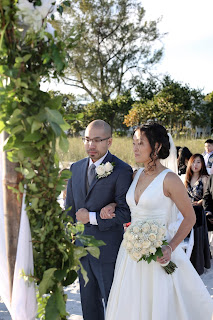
{"points": [[147, 172]]}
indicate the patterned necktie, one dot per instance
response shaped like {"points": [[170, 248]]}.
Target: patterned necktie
{"points": [[91, 174]]}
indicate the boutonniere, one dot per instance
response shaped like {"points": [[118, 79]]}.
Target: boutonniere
{"points": [[104, 170]]}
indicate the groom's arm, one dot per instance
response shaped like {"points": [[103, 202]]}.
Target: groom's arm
{"points": [[122, 212]]}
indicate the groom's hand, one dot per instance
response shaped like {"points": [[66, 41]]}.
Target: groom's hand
{"points": [[82, 215]]}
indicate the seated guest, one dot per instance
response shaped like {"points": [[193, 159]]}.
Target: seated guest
{"points": [[195, 183], [208, 156]]}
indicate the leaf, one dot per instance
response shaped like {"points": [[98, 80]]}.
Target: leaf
{"points": [[34, 203], [21, 187], [30, 174], [70, 278], [27, 57], [34, 137], [15, 117], [56, 128], [66, 174], [84, 273], [56, 307], [79, 252], [94, 251], [36, 125], [17, 129], [66, 3], [88, 240], [47, 281], [1, 126], [54, 116], [51, 310], [60, 274], [63, 144], [54, 103], [65, 126]]}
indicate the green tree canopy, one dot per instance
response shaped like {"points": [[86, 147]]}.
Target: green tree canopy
{"points": [[112, 111], [116, 44], [171, 103]]}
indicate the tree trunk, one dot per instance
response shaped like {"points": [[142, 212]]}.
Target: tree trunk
{"points": [[12, 211]]}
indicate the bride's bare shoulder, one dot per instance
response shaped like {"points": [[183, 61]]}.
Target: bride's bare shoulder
{"points": [[173, 180]]}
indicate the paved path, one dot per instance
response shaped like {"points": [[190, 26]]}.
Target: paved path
{"points": [[74, 305]]}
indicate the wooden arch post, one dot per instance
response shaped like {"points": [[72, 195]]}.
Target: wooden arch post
{"points": [[12, 211]]}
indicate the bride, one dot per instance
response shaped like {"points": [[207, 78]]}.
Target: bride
{"points": [[143, 291]]}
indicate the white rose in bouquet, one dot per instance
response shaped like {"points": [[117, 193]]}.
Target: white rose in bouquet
{"points": [[146, 227], [129, 245], [152, 237], [131, 237], [154, 228], [144, 251], [138, 245], [158, 243], [141, 236], [162, 231], [146, 244], [136, 229], [100, 170], [152, 250], [136, 255], [108, 167], [159, 236]]}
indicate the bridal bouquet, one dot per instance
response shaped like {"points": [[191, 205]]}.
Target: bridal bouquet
{"points": [[144, 240]]}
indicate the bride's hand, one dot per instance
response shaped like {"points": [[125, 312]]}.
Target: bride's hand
{"points": [[166, 255], [108, 212]]}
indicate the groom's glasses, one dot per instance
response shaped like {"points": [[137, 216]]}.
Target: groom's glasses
{"points": [[95, 140]]}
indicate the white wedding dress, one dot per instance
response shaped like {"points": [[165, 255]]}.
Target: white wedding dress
{"points": [[143, 291]]}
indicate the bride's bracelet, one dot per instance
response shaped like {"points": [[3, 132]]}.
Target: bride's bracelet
{"points": [[169, 247]]}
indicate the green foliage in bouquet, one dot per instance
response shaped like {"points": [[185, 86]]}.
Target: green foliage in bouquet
{"points": [[34, 121]]}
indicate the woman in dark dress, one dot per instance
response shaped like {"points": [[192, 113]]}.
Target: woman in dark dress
{"points": [[195, 183], [184, 155]]}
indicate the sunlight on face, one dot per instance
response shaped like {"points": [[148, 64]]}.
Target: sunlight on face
{"points": [[141, 147]]}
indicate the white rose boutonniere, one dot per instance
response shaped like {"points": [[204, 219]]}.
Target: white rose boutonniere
{"points": [[104, 170]]}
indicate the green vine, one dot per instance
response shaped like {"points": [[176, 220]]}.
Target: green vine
{"points": [[34, 122]]}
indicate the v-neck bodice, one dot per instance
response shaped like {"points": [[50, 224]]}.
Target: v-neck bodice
{"points": [[153, 194]]}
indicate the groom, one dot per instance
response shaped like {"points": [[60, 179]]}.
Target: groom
{"points": [[89, 192]]}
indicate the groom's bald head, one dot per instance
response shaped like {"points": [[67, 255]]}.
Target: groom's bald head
{"points": [[102, 125]]}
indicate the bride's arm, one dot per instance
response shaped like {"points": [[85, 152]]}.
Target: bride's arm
{"points": [[108, 212], [174, 188]]}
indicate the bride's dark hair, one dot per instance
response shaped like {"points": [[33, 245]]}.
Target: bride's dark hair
{"points": [[156, 133]]}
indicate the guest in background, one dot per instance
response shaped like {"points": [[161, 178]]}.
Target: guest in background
{"points": [[208, 203], [208, 156], [177, 149], [184, 155], [195, 183]]}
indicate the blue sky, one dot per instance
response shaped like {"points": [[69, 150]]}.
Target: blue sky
{"points": [[188, 46]]}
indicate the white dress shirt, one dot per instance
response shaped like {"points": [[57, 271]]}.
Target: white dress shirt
{"points": [[206, 159], [92, 215]]}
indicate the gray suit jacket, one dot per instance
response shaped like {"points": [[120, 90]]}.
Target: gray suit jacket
{"points": [[101, 192]]}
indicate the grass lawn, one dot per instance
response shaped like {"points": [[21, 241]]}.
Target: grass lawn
{"points": [[122, 148]]}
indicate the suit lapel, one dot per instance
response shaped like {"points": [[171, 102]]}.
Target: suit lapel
{"points": [[84, 176], [108, 158]]}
